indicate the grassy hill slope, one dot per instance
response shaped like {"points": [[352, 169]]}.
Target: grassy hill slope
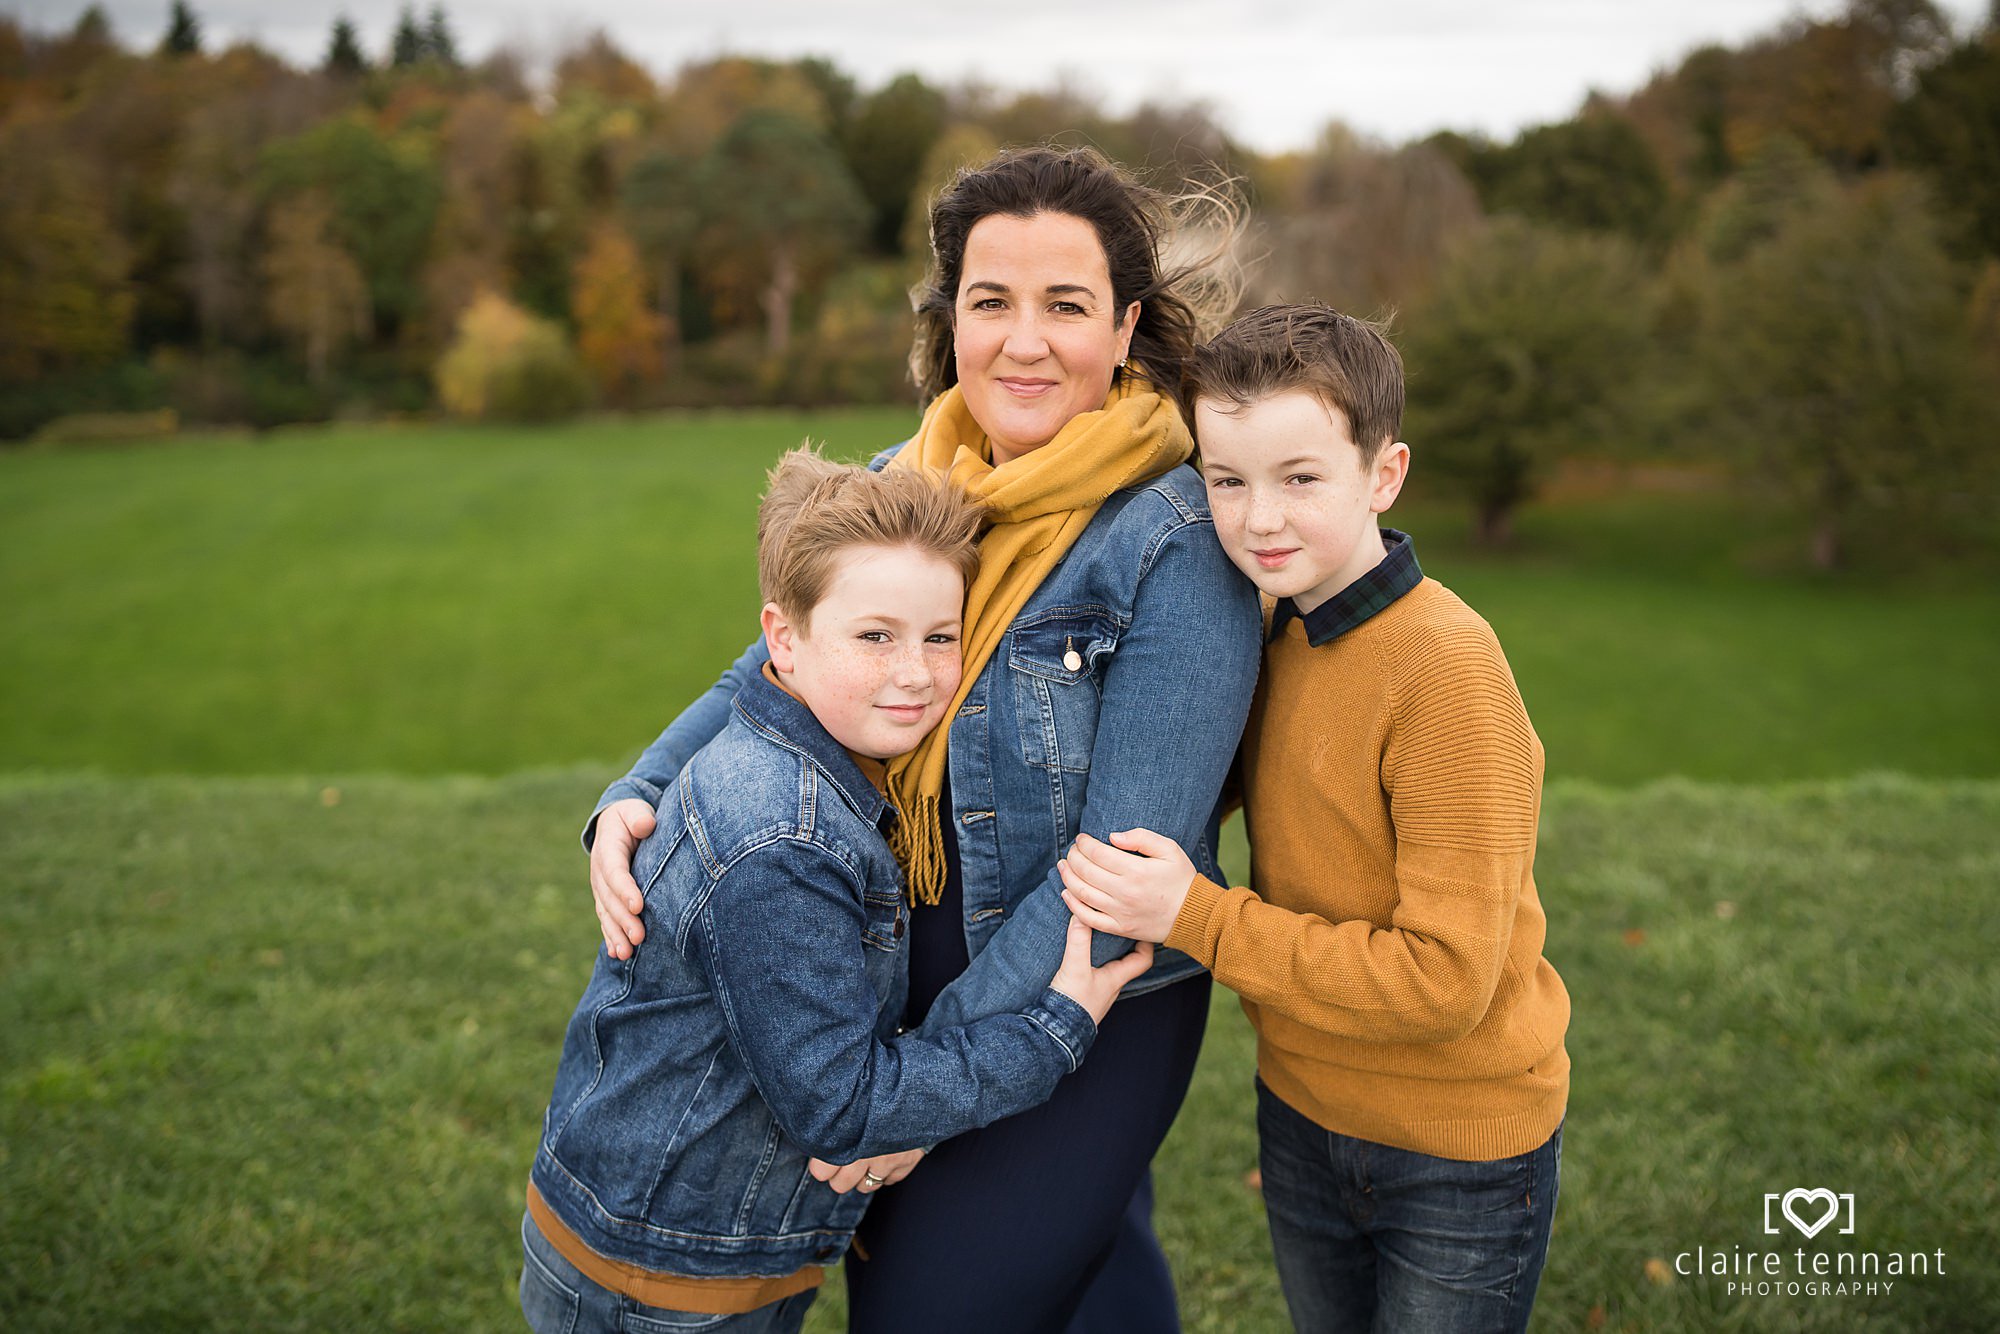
{"points": [[273, 1051]]}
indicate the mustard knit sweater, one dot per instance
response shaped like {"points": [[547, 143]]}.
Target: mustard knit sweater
{"points": [[1390, 952]]}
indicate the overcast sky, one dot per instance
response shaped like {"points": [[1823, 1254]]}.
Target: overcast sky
{"points": [[1275, 71]]}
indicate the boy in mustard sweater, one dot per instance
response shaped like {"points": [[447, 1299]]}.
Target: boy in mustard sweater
{"points": [[1411, 1072]]}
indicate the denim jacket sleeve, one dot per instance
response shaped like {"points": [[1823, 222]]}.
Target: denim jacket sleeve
{"points": [[781, 935], [1192, 607], [661, 762]]}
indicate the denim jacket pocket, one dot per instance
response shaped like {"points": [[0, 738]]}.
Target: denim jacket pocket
{"points": [[1056, 658], [888, 918]]}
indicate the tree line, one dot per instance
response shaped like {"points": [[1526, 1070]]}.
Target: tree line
{"points": [[1785, 256]]}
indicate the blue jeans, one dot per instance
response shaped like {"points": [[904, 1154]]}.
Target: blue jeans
{"points": [[1371, 1238], [557, 1299]]}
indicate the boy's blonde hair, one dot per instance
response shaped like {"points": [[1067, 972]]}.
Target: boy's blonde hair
{"points": [[814, 509]]}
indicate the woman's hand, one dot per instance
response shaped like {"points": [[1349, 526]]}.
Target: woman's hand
{"points": [[867, 1175], [1095, 988], [620, 827], [1137, 892]]}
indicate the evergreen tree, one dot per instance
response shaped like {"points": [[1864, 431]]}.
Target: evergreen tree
{"points": [[92, 27], [183, 32], [343, 52], [439, 44], [408, 46]]}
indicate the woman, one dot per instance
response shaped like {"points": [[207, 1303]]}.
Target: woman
{"points": [[1110, 654]]}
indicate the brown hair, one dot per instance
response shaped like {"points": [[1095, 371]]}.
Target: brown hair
{"points": [[815, 509], [1345, 363], [1134, 224]]}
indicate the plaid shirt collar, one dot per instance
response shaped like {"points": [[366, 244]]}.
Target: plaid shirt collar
{"points": [[1394, 575]]}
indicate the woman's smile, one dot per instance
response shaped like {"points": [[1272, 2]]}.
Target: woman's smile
{"points": [[1021, 387]]}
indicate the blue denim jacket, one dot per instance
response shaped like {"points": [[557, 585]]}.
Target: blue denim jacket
{"points": [[1164, 633], [757, 1024]]}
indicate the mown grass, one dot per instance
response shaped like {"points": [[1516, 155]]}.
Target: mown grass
{"points": [[273, 1051], [427, 599]]}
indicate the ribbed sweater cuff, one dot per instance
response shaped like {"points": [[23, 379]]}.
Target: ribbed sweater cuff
{"points": [[1191, 935]]}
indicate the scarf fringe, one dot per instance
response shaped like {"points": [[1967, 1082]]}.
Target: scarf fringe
{"points": [[917, 843]]}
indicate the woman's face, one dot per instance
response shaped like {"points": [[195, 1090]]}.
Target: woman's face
{"points": [[1035, 330]]}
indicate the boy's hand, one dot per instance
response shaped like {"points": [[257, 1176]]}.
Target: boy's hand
{"points": [[1137, 892], [615, 894], [867, 1175], [1095, 988]]}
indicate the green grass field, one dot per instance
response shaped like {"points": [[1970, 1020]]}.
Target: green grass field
{"points": [[455, 600], [277, 1064], [295, 734]]}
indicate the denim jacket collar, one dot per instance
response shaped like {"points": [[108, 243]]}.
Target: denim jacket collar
{"points": [[789, 723]]}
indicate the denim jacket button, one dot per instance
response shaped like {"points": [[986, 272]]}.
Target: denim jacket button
{"points": [[896, 931]]}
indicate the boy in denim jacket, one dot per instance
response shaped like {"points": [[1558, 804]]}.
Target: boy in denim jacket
{"points": [[754, 1032], [1412, 1075]]}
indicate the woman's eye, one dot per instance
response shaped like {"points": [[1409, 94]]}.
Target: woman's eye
{"points": [[987, 303], [1067, 308]]}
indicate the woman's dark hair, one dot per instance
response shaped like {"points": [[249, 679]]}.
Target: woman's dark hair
{"points": [[1134, 223]]}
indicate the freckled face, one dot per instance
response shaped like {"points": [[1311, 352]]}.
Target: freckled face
{"points": [[1293, 507], [878, 659], [1035, 330]]}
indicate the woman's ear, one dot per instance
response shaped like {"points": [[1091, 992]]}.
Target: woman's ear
{"points": [[1126, 327], [779, 636]]}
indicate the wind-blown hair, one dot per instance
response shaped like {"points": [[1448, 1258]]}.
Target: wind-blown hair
{"points": [[1140, 229]]}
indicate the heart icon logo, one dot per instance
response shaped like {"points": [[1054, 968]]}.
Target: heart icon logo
{"points": [[1794, 1197]]}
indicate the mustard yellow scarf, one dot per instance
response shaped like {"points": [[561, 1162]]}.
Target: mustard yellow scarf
{"points": [[1040, 503]]}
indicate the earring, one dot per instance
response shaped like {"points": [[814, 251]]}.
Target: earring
{"points": [[1122, 361]]}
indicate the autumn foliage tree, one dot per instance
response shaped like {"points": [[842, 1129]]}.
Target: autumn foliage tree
{"points": [[313, 290], [63, 267], [781, 209], [508, 365], [1365, 227], [617, 335]]}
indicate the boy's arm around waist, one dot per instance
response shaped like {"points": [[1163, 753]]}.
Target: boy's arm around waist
{"points": [[781, 935], [1175, 696], [1462, 770]]}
